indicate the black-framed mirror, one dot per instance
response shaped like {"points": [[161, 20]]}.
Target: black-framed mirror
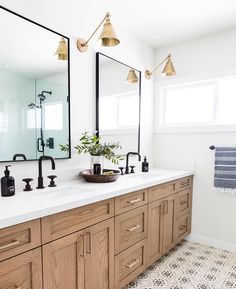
{"points": [[34, 90], [118, 102]]}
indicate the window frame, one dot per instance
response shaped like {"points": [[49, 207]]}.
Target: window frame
{"points": [[213, 126]]}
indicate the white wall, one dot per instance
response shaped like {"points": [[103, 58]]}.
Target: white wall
{"points": [[214, 214], [131, 51]]}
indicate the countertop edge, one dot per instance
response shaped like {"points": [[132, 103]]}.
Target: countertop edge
{"points": [[29, 216]]}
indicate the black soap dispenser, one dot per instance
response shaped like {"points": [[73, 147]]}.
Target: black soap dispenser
{"points": [[145, 165], [7, 184]]}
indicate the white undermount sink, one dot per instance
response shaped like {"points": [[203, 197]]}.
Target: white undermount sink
{"points": [[55, 193], [144, 176]]}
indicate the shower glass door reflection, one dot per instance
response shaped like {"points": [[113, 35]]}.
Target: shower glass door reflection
{"points": [[51, 118]]}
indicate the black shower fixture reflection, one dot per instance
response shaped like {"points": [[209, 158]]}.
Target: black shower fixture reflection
{"points": [[40, 140], [41, 96]]}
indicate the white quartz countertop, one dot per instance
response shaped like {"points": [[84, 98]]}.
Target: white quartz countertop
{"points": [[26, 206]]}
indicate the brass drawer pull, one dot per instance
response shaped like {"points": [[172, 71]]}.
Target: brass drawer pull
{"points": [[7, 246], [132, 202], [166, 206], [133, 228], [182, 202], [88, 243], [184, 184], [132, 264], [182, 227]]}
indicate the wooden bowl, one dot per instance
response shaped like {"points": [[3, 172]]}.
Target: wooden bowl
{"points": [[88, 176]]}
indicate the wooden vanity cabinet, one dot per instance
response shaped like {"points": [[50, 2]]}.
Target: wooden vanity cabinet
{"points": [[19, 238], [169, 216], [64, 223], [155, 231], [169, 223], [82, 260], [22, 272], [130, 263], [104, 245]]}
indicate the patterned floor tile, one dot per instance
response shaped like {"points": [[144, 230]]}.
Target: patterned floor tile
{"points": [[190, 266]]}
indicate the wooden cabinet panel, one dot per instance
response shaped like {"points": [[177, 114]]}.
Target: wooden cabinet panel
{"points": [[183, 202], [61, 224], [63, 263], [130, 263], [82, 260], [130, 228], [184, 183], [22, 272], [99, 261], [19, 238], [130, 201], [91, 248], [169, 223], [183, 227], [161, 191], [155, 231]]}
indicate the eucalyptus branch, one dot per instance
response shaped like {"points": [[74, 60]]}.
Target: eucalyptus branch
{"points": [[92, 144]]}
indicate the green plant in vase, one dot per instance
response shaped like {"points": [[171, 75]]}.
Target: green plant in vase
{"points": [[92, 144]]}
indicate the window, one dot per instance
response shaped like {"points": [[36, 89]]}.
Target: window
{"points": [[33, 118], [53, 114], [122, 111], [203, 103], [52, 117], [3, 118]]}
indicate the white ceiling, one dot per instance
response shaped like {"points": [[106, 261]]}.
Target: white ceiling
{"points": [[157, 22]]}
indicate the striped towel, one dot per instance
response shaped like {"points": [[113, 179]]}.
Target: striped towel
{"points": [[225, 169]]}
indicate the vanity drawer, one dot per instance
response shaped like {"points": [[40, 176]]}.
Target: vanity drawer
{"points": [[183, 204], [130, 263], [184, 183], [158, 192], [61, 224], [130, 201], [130, 228], [19, 238], [182, 227], [22, 272]]}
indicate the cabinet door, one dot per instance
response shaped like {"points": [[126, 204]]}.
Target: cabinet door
{"points": [[99, 260], [169, 223], [155, 230], [22, 272], [63, 263], [182, 227]]}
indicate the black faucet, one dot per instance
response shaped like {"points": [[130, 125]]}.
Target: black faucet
{"points": [[40, 177], [127, 160]]}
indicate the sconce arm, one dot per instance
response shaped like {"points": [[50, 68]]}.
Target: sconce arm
{"points": [[169, 55], [100, 24]]}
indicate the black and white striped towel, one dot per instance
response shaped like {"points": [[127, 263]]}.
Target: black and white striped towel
{"points": [[225, 169]]}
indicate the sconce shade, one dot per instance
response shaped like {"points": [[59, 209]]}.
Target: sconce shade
{"points": [[108, 36], [62, 50], [169, 69], [132, 77]]}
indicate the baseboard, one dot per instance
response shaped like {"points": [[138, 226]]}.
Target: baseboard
{"points": [[211, 242]]}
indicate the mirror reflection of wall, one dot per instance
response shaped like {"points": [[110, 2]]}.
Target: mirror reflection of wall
{"points": [[34, 91], [118, 100]]}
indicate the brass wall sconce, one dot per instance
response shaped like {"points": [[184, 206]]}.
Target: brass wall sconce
{"points": [[132, 77], [62, 50], [168, 70], [108, 36]]}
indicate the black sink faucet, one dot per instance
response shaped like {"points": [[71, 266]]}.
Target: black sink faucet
{"points": [[40, 177], [127, 160]]}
